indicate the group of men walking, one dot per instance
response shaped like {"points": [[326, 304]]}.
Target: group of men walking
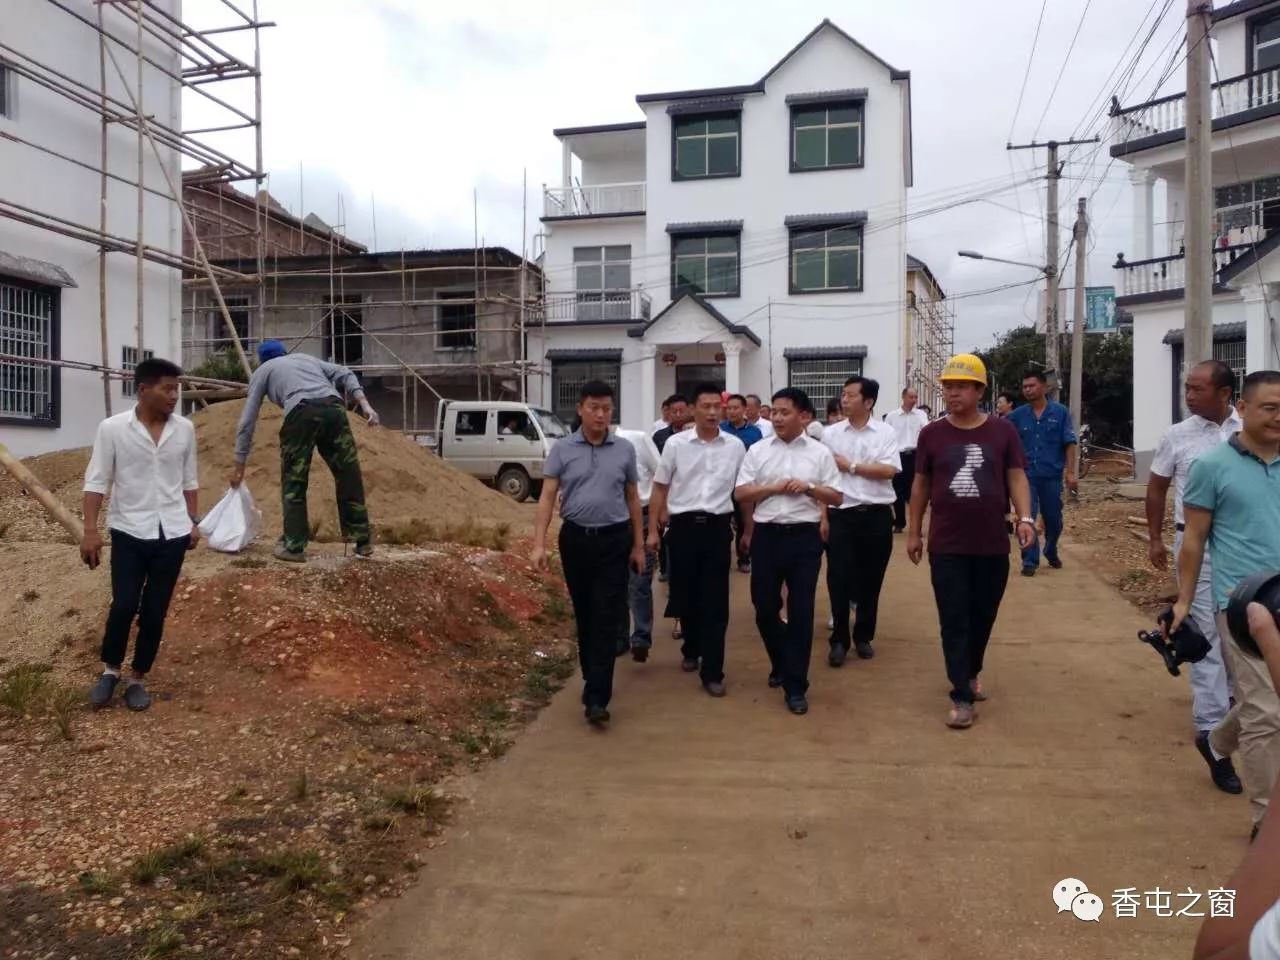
{"points": [[712, 476]]}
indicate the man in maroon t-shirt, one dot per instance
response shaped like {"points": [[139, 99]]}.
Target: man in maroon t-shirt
{"points": [[968, 467]]}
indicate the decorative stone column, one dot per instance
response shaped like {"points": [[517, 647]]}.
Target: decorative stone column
{"points": [[732, 365], [1143, 216], [648, 384]]}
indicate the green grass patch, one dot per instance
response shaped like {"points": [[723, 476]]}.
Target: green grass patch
{"points": [[156, 863], [23, 687]]}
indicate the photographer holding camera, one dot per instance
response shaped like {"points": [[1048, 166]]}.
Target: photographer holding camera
{"points": [[1212, 420], [1231, 503]]}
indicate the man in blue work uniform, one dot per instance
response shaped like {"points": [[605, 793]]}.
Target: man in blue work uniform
{"points": [[1048, 443]]}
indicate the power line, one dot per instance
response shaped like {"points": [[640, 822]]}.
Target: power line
{"points": [[1065, 60], [1026, 75]]}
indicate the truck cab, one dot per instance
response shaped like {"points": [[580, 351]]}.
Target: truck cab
{"points": [[504, 443]]}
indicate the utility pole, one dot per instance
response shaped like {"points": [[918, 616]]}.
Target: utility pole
{"points": [[1081, 234], [1197, 335], [1051, 272]]}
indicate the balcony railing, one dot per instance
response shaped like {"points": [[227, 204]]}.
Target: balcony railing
{"points": [[1168, 274], [1237, 95], [622, 306], [593, 200]]}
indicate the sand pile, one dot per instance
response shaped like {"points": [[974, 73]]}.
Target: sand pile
{"points": [[403, 481]]}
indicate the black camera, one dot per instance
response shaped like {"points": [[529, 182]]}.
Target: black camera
{"points": [[1186, 645]]}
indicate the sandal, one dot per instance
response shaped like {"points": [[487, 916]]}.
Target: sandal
{"points": [[961, 716]]}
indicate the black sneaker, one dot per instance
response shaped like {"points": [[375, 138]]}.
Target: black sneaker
{"points": [[1223, 772], [100, 693], [798, 705], [597, 716], [836, 657], [136, 696], [364, 550], [865, 651]]}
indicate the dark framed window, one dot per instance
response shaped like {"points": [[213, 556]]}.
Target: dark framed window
{"points": [[458, 321], [707, 264], [7, 91], [30, 327], [602, 279], [240, 309], [826, 136], [344, 330], [1264, 42], [568, 377], [822, 378], [827, 260], [706, 145], [470, 423], [129, 362]]}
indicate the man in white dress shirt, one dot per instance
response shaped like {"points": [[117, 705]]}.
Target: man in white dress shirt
{"points": [[146, 458], [787, 477], [640, 585], [757, 417], [693, 488], [907, 422], [860, 541], [1213, 420]]}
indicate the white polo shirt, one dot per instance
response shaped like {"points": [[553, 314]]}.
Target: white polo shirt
{"points": [[647, 458], [907, 426], [700, 474], [875, 442], [145, 479], [774, 459], [1183, 443]]}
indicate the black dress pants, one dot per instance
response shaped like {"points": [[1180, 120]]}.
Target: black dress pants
{"points": [[858, 550], [790, 555], [699, 587], [143, 575], [902, 481], [968, 589], [595, 569]]}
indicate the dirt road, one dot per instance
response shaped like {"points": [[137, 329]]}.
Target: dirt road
{"points": [[731, 829]]}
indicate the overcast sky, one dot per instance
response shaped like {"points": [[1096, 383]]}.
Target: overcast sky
{"points": [[409, 107]]}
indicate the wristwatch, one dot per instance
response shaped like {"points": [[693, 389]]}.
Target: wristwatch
{"points": [[1027, 520], [812, 487]]}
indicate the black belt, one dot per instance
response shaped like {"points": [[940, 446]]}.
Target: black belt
{"points": [[1180, 527], [788, 527], [863, 508], [606, 530], [699, 516], [908, 450]]}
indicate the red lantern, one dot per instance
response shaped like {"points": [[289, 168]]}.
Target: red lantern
{"points": [[719, 358], [669, 359]]}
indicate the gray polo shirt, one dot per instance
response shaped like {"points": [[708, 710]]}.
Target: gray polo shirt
{"points": [[593, 478]]}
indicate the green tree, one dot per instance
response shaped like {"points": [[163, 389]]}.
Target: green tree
{"points": [[1107, 382], [223, 365]]}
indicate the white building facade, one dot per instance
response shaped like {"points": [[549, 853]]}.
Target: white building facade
{"points": [[49, 282], [1151, 138], [751, 236]]}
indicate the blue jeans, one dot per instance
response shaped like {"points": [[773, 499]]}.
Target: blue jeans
{"points": [[1046, 501], [640, 597]]}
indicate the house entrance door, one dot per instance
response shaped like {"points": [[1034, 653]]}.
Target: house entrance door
{"points": [[690, 375]]}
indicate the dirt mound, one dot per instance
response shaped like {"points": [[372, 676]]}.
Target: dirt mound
{"points": [[403, 481]]}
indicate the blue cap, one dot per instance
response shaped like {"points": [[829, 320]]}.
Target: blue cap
{"points": [[270, 349]]}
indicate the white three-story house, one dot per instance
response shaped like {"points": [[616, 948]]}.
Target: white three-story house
{"points": [[749, 235]]}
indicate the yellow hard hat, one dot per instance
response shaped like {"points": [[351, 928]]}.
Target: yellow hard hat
{"points": [[965, 366]]}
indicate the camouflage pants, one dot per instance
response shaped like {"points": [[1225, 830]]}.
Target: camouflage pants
{"points": [[324, 426]]}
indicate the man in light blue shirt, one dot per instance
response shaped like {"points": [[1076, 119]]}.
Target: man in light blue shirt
{"points": [[1231, 503], [1049, 445]]}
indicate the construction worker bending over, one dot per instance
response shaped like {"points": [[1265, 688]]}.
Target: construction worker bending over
{"points": [[314, 417]]}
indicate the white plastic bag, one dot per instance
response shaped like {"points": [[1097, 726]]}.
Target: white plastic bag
{"points": [[233, 522]]}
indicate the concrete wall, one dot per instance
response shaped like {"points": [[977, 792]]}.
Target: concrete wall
{"points": [[57, 187], [1231, 42], [622, 169], [223, 218]]}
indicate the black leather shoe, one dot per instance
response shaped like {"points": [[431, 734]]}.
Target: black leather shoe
{"points": [[714, 687], [639, 654], [863, 647], [836, 657], [1028, 571], [1055, 562], [798, 705], [597, 716], [689, 664], [775, 681], [1223, 772]]}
